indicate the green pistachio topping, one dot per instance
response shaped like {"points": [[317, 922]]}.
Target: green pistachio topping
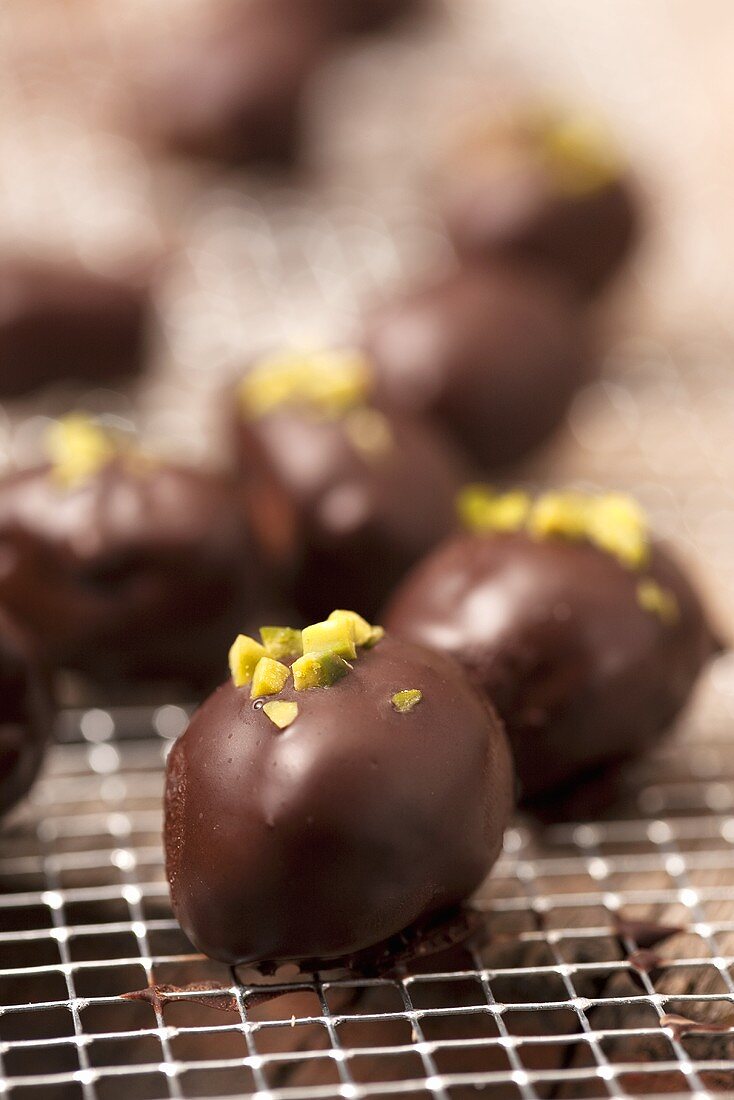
{"points": [[578, 152], [482, 510], [281, 713], [269, 677], [330, 382], [658, 601], [78, 448], [334, 635], [244, 655], [613, 522], [318, 670], [281, 642], [322, 653], [405, 700]]}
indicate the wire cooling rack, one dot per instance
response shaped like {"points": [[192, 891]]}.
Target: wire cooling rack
{"points": [[551, 997]]}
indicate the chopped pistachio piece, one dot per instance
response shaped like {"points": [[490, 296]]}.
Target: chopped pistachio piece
{"points": [[480, 509], [377, 633], [335, 635], [269, 677], [564, 513], [657, 600], [580, 154], [406, 699], [330, 381], [318, 670], [281, 713], [281, 641], [78, 448], [362, 631], [244, 655], [618, 525]]}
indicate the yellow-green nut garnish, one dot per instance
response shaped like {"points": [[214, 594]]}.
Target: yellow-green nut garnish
{"points": [[329, 381], [365, 635], [281, 641], [281, 713], [78, 448], [481, 509], [334, 635], [269, 677], [579, 153], [315, 670], [563, 513], [244, 655], [658, 601], [618, 525], [405, 700]]}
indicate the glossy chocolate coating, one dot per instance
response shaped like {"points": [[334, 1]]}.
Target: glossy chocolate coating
{"points": [[233, 89], [358, 15], [129, 575], [583, 676], [514, 210], [61, 322], [345, 524], [25, 716], [493, 354], [324, 839]]}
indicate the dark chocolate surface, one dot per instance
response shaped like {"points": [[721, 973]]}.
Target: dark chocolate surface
{"points": [[494, 354], [554, 633], [61, 322], [132, 574], [25, 716], [330, 836], [344, 522], [511, 208]]}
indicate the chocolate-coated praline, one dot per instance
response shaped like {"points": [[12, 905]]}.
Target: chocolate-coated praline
{"points": [[345, 521], [60, 322], [135, 573], [322, 840], [495, 354], [25, 715], [554, 631], [232, 90], [503, 201]]}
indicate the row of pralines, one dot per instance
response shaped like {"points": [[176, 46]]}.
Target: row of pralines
{"points": [[128, 569], [348, 782], [542, 215]]}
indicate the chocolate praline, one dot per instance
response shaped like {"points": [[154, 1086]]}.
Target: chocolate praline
{"points": [[25, 715], [545, 190], [495, 354], [321, 840], [134, 573], [60, 322], [345, 504], [554, 631], [232, 89]]}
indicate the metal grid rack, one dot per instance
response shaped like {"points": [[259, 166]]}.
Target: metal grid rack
{"points": [[549, 1000]]}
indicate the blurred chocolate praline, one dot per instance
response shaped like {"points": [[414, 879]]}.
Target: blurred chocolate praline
{"points": [[133, 574], [232, 89], [584, 676], [547, 189], [494, 354], [346, 504], [60, 322], [26, 714]]}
